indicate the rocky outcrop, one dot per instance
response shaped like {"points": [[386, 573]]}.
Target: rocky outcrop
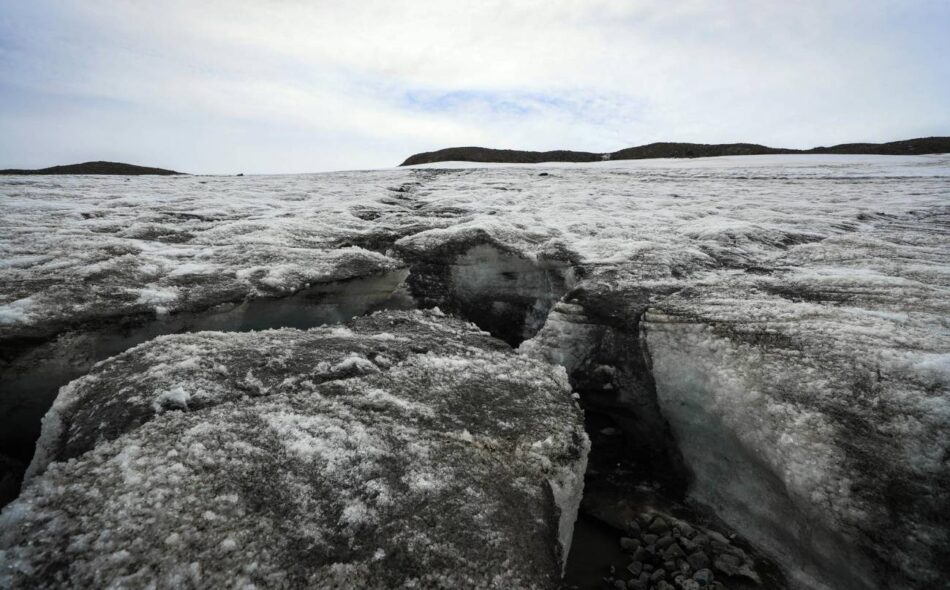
{"points": [[111, 168], [923, 145], [402, 449]]}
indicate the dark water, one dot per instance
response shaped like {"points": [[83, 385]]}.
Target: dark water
{"points": [[594, 549]]}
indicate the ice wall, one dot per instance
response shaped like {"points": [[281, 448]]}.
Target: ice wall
{"points": [[823, 459]]}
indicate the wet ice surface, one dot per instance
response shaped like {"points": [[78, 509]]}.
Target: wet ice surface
{"points": [[793, 309]]}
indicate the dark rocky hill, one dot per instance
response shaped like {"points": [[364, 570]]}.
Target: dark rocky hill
{"points": [[924, 145], [480, 154], [117, 168]]}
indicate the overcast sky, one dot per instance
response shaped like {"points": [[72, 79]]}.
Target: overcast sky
{"points": [[304, 86]]}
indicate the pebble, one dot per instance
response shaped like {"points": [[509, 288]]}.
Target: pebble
{"points": [[640, 554], [727, 564], [665, 542], [738, 552], [686, 530], [634, 529], [659, 526], [620, 584], [635, 567], [658, 575], [672, 552], [650, 539], [701, 539], [733, 566], [664, 585], [628, 544], [704, 576], [698, 560], [687, 545]]}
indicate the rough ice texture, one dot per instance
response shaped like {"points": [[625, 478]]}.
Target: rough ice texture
{"points": [[112, 247], [809, 320], [813, 406], [406, 449]]}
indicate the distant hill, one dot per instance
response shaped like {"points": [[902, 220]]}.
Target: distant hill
{"points": [[923, 145], [96, 168]]}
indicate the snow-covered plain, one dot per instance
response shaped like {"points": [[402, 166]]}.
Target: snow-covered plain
{"points": [[792, 310]]}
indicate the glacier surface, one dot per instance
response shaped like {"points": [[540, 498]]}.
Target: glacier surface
{"points": [[772, 329]]}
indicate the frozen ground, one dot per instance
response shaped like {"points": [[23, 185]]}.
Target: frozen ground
{"points": [[775, 327]]}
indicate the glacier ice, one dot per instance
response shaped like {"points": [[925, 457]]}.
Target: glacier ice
{"points": [[298, 461], [772, 331]]}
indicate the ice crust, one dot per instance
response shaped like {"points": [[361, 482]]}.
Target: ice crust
{"points": [[291, 458], [792, 310]]}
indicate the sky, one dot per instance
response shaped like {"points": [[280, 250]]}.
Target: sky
{"points": [[275, 86]]}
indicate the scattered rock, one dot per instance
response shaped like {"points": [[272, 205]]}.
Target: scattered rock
{"points": [[687, 545], [628, 544], [659, 526], [698, 560], [686, 530], [640, 554], [703, 576], [665, 542], [732, 565], [673, 551]]}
